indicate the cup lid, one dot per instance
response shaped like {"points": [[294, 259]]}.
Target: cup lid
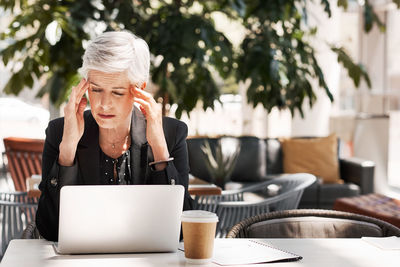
{"points": [[200, 216]]}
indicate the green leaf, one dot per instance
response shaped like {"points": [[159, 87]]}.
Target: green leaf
{"points": [[355, 71], [370, 17], [56, 88], [14, 84], [327, 7], [343, 3], [28, 80]]}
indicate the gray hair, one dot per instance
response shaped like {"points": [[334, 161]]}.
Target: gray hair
{"points": [[118, 52]]}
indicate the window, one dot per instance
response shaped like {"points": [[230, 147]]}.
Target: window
{"points": [[393, 89]]}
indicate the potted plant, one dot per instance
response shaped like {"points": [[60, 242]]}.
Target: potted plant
{"points": [[220, 164]]}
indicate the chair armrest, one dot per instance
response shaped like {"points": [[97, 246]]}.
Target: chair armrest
{"points": [[358, 171], [31, 232]]}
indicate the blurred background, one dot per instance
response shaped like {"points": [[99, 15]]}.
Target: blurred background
{"points": [[231, 67]]}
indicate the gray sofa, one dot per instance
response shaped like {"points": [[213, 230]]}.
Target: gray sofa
{"points": [[261, 159]]}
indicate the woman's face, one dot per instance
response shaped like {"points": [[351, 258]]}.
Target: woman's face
{"points": [[110, 98]]}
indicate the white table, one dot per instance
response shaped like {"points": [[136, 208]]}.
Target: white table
{"points": [[315, 252]]}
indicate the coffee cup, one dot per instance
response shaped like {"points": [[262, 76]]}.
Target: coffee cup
{"points": [[198, 228]]}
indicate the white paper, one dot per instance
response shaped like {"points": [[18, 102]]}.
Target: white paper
{"points": [[387, 243], [241, 251]]}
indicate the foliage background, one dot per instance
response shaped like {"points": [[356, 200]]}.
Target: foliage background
{"points": [[189, 55]]}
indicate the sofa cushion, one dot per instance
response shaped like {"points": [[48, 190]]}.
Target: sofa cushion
{"points": [[317, 156], [313, 227], [252, 160]]}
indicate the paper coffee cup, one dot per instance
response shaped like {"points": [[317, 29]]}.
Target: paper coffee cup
{"points": [[198, 228]]}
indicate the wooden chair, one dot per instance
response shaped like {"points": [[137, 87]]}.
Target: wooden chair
{"points": [[24, 157]]}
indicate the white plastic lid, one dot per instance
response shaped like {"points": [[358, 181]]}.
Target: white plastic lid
{"points": [[200, 216]]}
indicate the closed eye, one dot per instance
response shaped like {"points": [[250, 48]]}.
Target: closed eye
{"points": [[96, 90], [99, 90], [118, 94]]}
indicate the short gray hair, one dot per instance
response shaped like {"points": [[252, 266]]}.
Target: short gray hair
{"points": [[118, 52]]}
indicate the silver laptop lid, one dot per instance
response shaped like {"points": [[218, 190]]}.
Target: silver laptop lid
{"points": [[119, 218]]}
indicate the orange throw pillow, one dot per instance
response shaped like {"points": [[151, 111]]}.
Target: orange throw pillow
{"points": [[317, 156]]}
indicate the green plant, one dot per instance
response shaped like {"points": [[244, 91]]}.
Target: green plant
{"points": [[221, 165], [279, 60], [191, 51], [275, 55], [33, 56]]}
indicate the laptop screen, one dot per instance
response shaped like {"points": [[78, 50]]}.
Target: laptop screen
{"points": [[120, 218]]}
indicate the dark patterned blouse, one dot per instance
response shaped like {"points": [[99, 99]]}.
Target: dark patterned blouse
{"points": [[116, 171]]}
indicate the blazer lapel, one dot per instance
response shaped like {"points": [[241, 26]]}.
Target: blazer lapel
{"points": [[88, 152], [139, 147]]}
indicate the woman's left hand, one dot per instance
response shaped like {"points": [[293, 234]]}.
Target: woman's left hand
{"points": [[154, 131]]}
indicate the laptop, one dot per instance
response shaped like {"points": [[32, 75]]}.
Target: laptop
{"points": [[119, 218]]}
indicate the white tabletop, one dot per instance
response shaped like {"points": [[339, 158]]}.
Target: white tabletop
{"points": [[316, 252]]}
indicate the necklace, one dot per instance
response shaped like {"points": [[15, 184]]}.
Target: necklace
{"points": [[124, 143]]}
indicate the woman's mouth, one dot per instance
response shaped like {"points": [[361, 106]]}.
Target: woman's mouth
{"points": [[106, 116]]}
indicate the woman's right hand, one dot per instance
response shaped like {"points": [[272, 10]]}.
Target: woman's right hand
{"points": [[74, 124]]}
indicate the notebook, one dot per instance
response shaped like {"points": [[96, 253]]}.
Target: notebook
{"points": [[119, 218], [248, 251]]}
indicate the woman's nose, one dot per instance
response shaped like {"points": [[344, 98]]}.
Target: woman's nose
{"points": [[106, 102]]}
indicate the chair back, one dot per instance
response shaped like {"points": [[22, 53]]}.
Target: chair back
{"points": [[17, 212], [312, 223], [24, 157], [289, 190], [210, 202]]}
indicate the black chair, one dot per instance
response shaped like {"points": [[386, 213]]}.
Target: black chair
{"points": [[312, 223], [31, 232], [17, 211], [232, 206]]}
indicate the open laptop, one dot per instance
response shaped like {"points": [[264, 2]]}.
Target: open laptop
{"points": [[119, 218]]}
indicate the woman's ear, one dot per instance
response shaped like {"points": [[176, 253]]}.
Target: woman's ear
{"points": [[132, 90]]}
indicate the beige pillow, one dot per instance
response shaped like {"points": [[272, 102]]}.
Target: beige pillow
{"points": [[317, 156]]}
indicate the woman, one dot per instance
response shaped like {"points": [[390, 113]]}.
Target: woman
{"points": [[115, 142]]}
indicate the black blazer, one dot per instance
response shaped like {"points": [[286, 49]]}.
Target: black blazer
{"points": [[86, 170]]}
